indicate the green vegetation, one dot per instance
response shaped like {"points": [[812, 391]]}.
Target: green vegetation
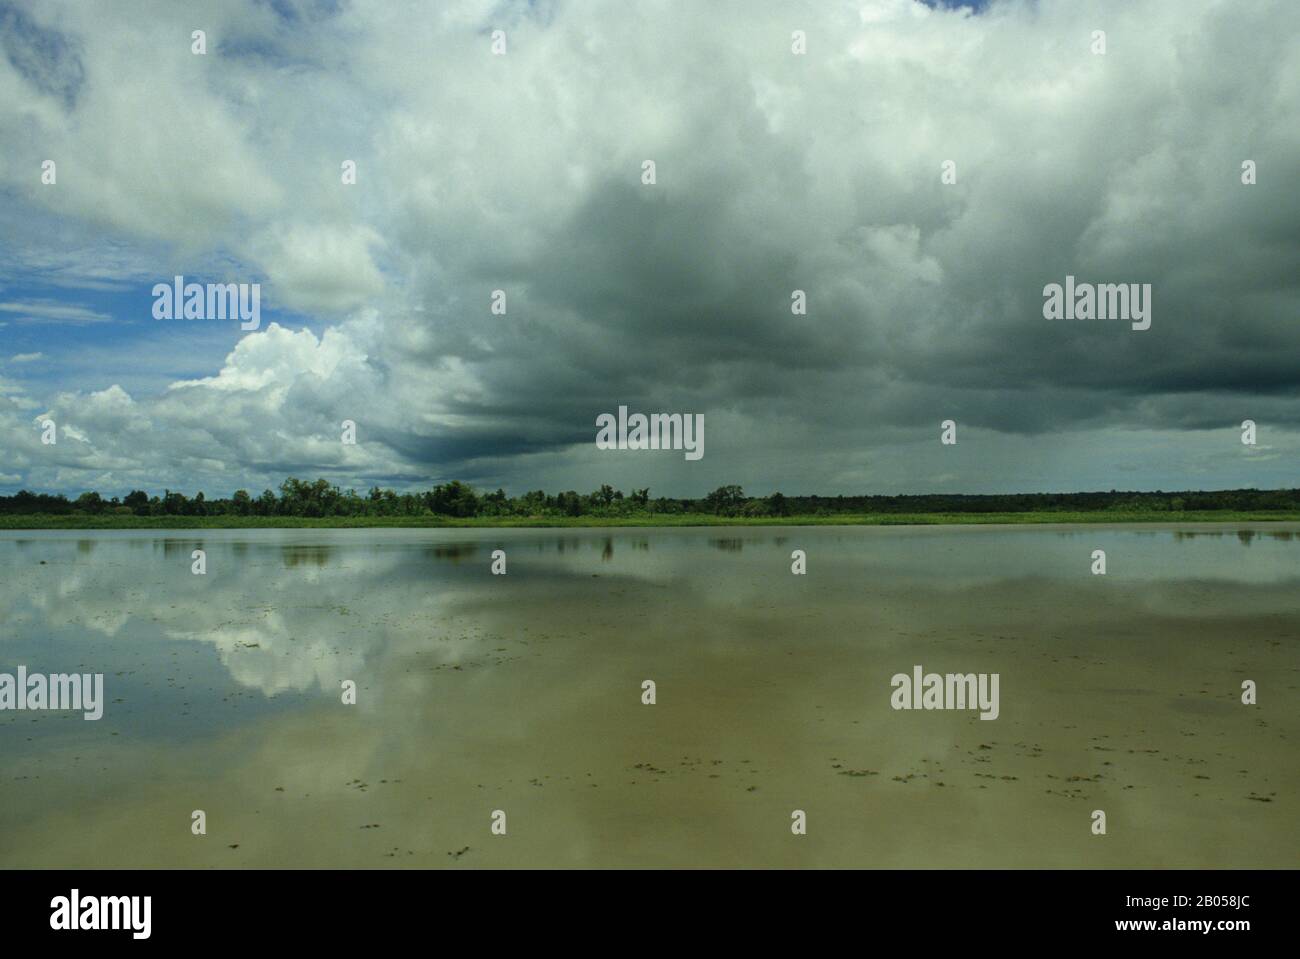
{"points": [[83, 521], [318, 504]]}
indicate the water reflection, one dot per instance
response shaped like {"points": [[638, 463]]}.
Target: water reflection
{"points": [[1246, 536], [456, 552], [477, 691], [177, 548], [316, 555]]}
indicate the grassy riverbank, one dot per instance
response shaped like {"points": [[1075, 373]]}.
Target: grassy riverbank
{"points": [[119, 521]]}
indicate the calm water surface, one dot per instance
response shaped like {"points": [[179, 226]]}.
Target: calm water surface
{"points": [[522, 693]]}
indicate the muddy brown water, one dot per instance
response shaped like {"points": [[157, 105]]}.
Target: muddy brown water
{"points": [[523, 693]]}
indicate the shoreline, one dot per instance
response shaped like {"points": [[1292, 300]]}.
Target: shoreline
{"points": [[91, 523]]}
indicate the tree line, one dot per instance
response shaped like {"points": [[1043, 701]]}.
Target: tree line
{"points": [[456, 499]]}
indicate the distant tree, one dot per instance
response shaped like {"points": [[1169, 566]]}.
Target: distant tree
{"points": [[351, 504], [453, 499], [295, 497], [266, 504], [90, 502], [725, 500], [532, 503]]}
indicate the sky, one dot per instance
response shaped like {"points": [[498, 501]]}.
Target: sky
{"points": [[921, 171]]}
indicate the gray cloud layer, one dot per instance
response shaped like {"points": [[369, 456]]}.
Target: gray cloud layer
{"points": [[775, 172]]}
